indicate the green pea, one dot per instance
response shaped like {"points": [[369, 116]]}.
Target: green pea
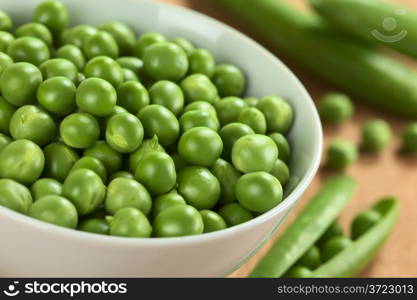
{"points": [[284, 148], [229, 110], [22, 161], [198, 118], [6, 112], [6, 23], [298, 272], [44, 187], [167, 94], [53, 15], [212, 221], [280, 171], [341, 153], [251, 101], [57, 95], [133, 96], [80, 78], [199, 187], [122, 34], [178, 220], [78, 34], [147, 147], [254, 118], [111, 159], [167, 200], [201, 105], [19, 83], [85, 190], [335, 108], [59, 67], [334, 230], [73, 54], [160, 121], [255, 152], [59, 160], [364, 222], [94, 225], [92, 164], [334, 246], [6, 38], [36, 30], [80, 130], [230, 134], [198, 87], [156, 171], [120, 174], [132, 63], [311, 259], [14, 195], [4, 141], [31, 123], [409, 137], [101, 43], [105, 68], [130, 222], [28, 49], [186, 45], [202, 62], [278, 113], [229, 80], [124, 132], [376, 134], [129, 75], [234, 214], [145, 41]]}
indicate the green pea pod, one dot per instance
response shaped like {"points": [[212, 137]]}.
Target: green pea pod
{"points": [[310, 225], [354, 258]]}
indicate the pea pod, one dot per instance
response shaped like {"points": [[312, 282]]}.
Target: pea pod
{"points": [[313, 221]]}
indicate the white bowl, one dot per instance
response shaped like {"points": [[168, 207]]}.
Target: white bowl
{"points": [[31, 248]]}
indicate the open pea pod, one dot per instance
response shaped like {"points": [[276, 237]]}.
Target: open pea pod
{"points": [[354, 258], [310, 225]]}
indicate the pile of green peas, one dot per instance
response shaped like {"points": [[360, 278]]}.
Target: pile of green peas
{"points": [[112, 134]]}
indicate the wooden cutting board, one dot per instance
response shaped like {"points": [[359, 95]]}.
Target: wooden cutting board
{"points": [[378, 175]]}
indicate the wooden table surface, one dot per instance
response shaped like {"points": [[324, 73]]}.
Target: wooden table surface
{"points": [[378, 176]]}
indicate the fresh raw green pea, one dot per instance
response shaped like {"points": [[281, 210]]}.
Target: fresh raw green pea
{"points": [[100, 43], [278, 113], [133, 96], [200, 146], [167, 200], [36, 30], [93, 164], [156, 171], [105, 68], [111, 159], [254, 118], [335, 108], [19, 83], [199, 187], [85, 190], [148, 146], [201, 62], [254, 152], [167, 94], [80, 130], [160, 121], [280, 171], [410, 138], [6, 112], [186, 45], [6, 38], [229, 80], [6, 23], [78, 34], [132, 63], [44, 187], [229, 110], [28, 49], [212, 221], [284, 148], [198, 87], [333, 230], [333, 246], [198, 118], [55, 210], [4, 141], [129, 75], [201, 105], [311, 259], [53, 15], [130, 222], [94, 225], [230, 134], [124, 132], [23, 161], [298, 272], [364, 222], [121, 174], [251, 101], [178, 220], [122, 34], [341, 153], [124, 192], [376, 134], [57, 95], [145, 41], [234, 214], [165, 61], [80, 78], [73, 54], [59, 67], [31, 123], [15, 196], [59, 160]]}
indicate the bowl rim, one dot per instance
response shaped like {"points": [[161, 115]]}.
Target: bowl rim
{"points": [[287, 203]]}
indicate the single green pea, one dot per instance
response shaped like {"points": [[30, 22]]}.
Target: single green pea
{"points": [[341, 153], [198, 118], [376, 134], [198, 87], [335, 108], [255, 152], [167, 94], [6, 38], [93, 164], [120, 174], [364, 222], [280, 171], [229, 110], [227, 175], [200, 146], [284, 148], [55, 210], [6, 112], [122, 34], [201, 62], [212, 221], [124, 132], [73, 54], [31, 123], [78, 34], [179, 161], [234, 214], [167, 200], [230, 134], [44, 187], [278, 113], [80, 78], [251, 101], [59, 67], [160, 121], [22, 160], [254, 118], [178, 220], [59, 159], [145, 41], [298, 272], [199, 187], [4, 141], [334, 246], [130, 222], [36, 30], [129, 75], [111, 159], [28, 49], [19, 83], [311, 259], [105, 68], [85, 190], [229, 80], [101, 43], [53, 15], [334, 230], [186, 45], [201, 105], [410, 138], [14, 195], [133, 96], [57, 95], [80, 130], [132, 63], [156, 171], [148, 146], [6, 23], [94, 225]]}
